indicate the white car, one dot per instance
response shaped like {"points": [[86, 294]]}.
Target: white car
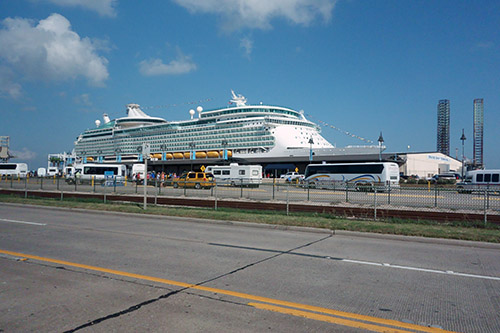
{"points": [[292, 176]]}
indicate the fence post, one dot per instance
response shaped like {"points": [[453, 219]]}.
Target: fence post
{"points": [[307, 184], [389, 194], [41, 183], [274, 183], [215, 194], [435, 194], [114, 184], [241, 186], [58, 178], [93, 184], [484, 207], [375, 203], [11, 178], [26, 187], [287, 190], [346, 193]]}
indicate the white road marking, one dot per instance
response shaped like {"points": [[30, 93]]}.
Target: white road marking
{"points": [[422, 269], [22, 222]]}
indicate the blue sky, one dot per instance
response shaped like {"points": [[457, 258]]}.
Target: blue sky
{"points": [[362, 66]]}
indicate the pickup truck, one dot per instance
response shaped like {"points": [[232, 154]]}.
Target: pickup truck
{"points": [[292, 176]]}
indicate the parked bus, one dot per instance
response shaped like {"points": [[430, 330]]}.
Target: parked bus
{"points": [[361, 176], [14, 169], [477, 180], [236, 175], [83, 173]]}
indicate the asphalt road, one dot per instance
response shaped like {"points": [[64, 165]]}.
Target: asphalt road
{"points": [[71, 270]]}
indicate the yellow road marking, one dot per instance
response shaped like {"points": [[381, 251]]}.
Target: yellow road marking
{"points": [[328, 319], [373, 320]]}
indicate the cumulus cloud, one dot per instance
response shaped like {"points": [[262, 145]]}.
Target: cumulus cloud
{"points": [[257, 14], [48, 51], [247, 45], [24, 154], [181, 65], [102, 7], [8, 86]]}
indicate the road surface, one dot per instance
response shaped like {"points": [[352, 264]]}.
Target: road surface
{"points": [[71, 270]]}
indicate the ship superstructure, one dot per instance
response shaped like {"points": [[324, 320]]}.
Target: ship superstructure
{"points": [[242, 131]]}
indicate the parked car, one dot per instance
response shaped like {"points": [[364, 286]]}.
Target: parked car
{"points": [[194, 179], [292, 177], [448, 177]]}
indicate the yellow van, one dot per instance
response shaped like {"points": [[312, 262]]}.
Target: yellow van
{"points": [[194, 179]]}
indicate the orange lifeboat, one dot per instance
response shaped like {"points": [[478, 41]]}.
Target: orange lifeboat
{"points": [[90, 159], [178, 155], [169, 156], [187, 155], [200, 154], [213, 154]]}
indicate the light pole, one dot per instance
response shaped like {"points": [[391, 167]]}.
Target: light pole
{"points": [[311, 142], [192, 145], [463, 138], [380, 142]]}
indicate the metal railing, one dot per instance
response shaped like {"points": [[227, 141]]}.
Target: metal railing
{"points": [[432, 197]]}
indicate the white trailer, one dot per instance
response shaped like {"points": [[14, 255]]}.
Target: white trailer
{"points": [[236, 175]]}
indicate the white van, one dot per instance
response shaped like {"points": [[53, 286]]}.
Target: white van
{"points": [[41, 172], [52, 171], [236, 175]]}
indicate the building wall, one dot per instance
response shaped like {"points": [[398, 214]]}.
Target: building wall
{"points": [[428, 164]]}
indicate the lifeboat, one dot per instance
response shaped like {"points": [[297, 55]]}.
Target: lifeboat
{"points": [[200, 154], [169, 156], [90, 159], [213, 154], [178, 155], [157, 155], [187, 155]]}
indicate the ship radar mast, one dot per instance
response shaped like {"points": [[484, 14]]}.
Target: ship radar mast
{"points": [[239, 100]]}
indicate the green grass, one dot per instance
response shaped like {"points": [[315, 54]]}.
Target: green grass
{"points": [[475, 231]]}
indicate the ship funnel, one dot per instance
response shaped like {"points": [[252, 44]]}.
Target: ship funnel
{"points": [[106, 118], [97, 123]]}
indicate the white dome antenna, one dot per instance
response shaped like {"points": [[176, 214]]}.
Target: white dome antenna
{"points": [[199, 109], [192, 112], [97, 123]]}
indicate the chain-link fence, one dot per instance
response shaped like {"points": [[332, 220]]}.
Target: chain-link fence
{"points": [[431, 197]]}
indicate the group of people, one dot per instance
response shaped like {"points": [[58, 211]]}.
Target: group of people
{"points": [[151, 175]]}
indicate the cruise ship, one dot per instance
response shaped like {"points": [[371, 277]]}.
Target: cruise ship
{"points": [[240, 132]]}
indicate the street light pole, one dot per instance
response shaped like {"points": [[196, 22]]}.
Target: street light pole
{"points": [[192, 145], [463, 138], [380, 142], [311, 142]]}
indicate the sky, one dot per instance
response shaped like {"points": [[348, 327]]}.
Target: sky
{"points": [[354, 66]]}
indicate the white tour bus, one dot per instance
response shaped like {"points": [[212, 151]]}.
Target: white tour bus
{"points": [[480, 180], [14, 169], [361, 176], [236, 175], [83, 173]]}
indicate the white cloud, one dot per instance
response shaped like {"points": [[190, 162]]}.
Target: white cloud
{"points": [[24, 154], [237, 14], [103, 7], [247, 45], [181, 65], [83, 99], [8, 86], [48, 51]]}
